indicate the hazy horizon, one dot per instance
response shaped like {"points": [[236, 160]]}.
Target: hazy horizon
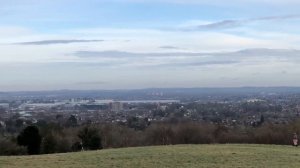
{"points": [[136, 44], [279, 88]]}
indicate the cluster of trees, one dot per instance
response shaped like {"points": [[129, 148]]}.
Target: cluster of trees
{"points": [[53, 138], [50, 138]]}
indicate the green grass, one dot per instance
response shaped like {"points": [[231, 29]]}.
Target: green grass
{"points": [[190, 156]]}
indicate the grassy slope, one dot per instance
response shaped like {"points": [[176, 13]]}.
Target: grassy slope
{"points": [[166, 156]]}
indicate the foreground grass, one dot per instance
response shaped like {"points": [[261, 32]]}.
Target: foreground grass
{"points": [[190, 156]]}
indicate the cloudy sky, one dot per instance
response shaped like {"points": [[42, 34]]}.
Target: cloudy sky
{"points": [[126, 44]]}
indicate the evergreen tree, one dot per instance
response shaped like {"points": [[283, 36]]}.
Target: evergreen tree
{"points": [[30, 137]]}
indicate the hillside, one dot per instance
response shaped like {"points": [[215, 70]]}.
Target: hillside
{"points": [[166, 156]]}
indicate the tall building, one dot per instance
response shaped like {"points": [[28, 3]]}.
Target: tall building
{"points": [[116, 106]]}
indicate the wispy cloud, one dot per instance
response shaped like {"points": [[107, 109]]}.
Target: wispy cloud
{"points": [[118, 54], [49, 42], [263, 52], [225, 24], [200, 63], [188, 59], [169, 47]]}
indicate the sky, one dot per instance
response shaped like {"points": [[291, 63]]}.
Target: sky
{"points": [[132, 44]]}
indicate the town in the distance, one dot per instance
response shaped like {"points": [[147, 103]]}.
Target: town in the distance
{"points": [[139, 108]]}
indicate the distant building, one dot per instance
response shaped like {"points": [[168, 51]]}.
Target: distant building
{"points": [[162, 107], [116, 106], [254, 100], [4, 106], [2, 124]]}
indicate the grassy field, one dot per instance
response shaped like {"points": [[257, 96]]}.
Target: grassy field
{"points": [[190, 156]]}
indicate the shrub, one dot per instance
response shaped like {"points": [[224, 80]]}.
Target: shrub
{"points": [[90, 138], [8, 147]]}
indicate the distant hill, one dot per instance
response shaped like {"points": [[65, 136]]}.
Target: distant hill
{"points": [[178, 156], [151, 93]]}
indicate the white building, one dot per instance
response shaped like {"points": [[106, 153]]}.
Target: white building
{"points": [[4, 106]]}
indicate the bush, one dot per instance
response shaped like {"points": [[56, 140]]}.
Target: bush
{"points": [[8, 147], [116, 136], [49, 144], [160, 134], [90, 138]]}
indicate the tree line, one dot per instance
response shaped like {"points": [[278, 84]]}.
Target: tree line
{"points": [[54, 138]]}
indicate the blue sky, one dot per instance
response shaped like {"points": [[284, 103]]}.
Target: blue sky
{"points": [[126, 44]]}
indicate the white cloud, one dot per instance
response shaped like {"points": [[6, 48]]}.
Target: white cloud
{"points": [[131, 40], [27, 65]]}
